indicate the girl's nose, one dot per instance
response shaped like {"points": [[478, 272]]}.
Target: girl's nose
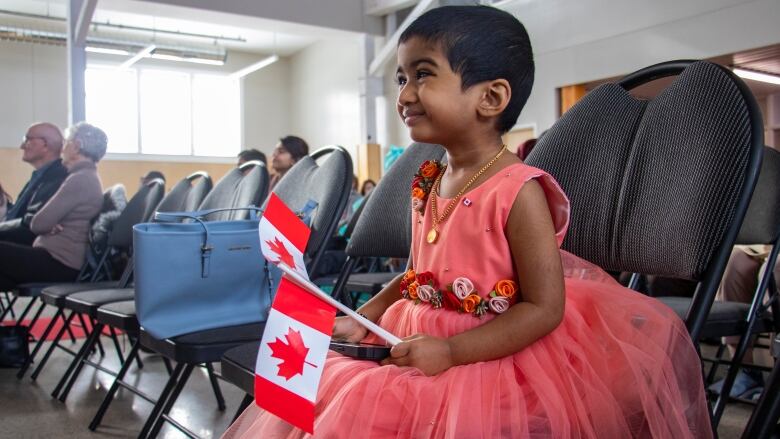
{"points": [[407, 94]]}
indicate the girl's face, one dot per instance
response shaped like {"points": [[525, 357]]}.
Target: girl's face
{"points": [[431, 101]]}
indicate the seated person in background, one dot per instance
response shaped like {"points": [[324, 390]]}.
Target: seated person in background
{"points": [[41, 148], [367, 187], [525, 148], [62, 224], [248, 155], [740, 280], [5, 202], [289, 150], [151, 175]]}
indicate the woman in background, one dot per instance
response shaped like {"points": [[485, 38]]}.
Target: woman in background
{"points": [[62, 224]]}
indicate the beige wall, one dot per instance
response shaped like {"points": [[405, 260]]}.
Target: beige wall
{"points": [[14, 173], [325, 95]]}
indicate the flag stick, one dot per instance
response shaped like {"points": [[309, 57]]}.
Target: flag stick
{"points": [[314, 289]]}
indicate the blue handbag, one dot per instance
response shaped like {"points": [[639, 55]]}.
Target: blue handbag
{"points": [[200, 275]]}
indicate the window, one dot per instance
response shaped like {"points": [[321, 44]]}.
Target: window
{"points": [[112, 105], [151, 111]]}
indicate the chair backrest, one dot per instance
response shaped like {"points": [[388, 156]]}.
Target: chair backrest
{"points": [[762, 220], [324, 177], [384, 227], [246, 185], [187, 194], [138, 210], [114, 202], [659, 186]]}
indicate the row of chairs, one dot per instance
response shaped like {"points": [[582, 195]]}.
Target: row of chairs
{"points": [[654, 190]]}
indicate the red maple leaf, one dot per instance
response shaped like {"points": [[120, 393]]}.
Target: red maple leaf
{"points": [[293, 354], [284, 256]]}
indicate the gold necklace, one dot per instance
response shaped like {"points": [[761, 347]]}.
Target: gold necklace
{"points": [[433, 234]]}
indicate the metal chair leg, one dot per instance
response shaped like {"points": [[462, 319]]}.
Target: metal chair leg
{"points": [[53, 346], [169, 386], [215, 387], [763, 420], [9, 308], [75, 367], [39, 344], [171, 400], [114, 386]]}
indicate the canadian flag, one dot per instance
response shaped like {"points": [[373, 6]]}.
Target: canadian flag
{"points": [[283, 236], [297, 333]]}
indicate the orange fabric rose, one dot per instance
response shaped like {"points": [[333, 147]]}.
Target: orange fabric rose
{"points": [[412, 288], [409, 276], [506, 288], [470, 302], [418, 193], [429, 169]]}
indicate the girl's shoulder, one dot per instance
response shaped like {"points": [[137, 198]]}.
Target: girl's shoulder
{"points": [[505, 185]]}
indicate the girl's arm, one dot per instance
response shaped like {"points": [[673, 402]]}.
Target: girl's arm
{"points": [[345, 328], [537, 260]]}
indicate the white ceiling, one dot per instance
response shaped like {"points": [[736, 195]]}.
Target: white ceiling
{"points": [[261, 35]]}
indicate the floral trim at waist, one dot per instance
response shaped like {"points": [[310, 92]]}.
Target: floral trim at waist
{"points": [[459, 296]]}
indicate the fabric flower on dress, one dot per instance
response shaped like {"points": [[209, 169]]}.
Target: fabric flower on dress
{"points": [[423, 183], [460, 295], [498, 304], [425, 293], [462, 287]]}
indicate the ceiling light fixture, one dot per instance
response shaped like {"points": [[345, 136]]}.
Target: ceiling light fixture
{"points": [[211, 62], [143, 53], [757, 76], [254, 67], [107, 51]]}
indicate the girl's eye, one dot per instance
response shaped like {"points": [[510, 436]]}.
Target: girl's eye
{"points": [[422, 74], [400, 80]]}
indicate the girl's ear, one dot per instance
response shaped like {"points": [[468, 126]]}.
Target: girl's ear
{"points": [[495, 97]]}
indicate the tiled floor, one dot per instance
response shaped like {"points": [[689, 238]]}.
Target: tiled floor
{"points": [[28, 411]]}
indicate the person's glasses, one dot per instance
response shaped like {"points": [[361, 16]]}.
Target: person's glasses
{"points": [[27, 138]]}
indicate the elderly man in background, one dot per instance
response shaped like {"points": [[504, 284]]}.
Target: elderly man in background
{"points": [[62, 224], [41, 146]]}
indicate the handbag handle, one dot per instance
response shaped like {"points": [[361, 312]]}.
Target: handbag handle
{"points": [[197, 216]]}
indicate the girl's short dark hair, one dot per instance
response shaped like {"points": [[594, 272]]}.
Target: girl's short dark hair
{"points": [[481, 43]]}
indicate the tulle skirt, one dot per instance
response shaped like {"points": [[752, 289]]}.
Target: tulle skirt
{"points": [[619, 365]]}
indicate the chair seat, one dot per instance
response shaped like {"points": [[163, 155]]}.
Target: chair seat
{"points": [[204, 346], [88, 302], [238, 366], [119, 315], [369, 282], [55, 294], [725, 318]]}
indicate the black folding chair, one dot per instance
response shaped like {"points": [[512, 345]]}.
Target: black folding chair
{"points": [[660, 186], [761, 226], [383, 229], [119, 240], [763, 421], [242, 186], [324, 178]]}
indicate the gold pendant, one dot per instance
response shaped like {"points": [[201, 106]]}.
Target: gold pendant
{"points": [[433, 235]]}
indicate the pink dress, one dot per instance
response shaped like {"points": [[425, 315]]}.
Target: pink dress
{"points": [[620, 364]]}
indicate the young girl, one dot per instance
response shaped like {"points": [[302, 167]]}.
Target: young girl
{"points": [[496, 342]]}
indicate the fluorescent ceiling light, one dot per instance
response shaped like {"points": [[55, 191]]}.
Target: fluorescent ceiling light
{"points": [[254, 67], [107, 51], [141, 54], [212, 62], [757, 76]]}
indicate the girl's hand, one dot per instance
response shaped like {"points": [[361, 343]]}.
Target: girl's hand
{"points": [[432, 355], [346, 328]]}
